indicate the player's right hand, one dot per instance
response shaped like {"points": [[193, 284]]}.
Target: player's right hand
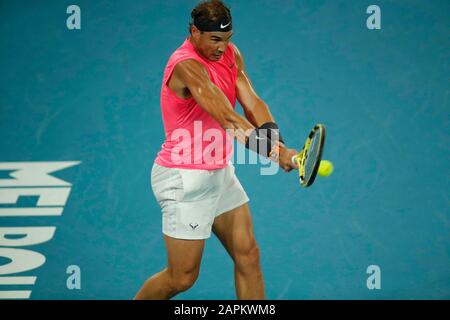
{"points": [[285, 161]]}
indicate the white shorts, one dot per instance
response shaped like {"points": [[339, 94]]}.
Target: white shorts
{"points": [[190, 199]]}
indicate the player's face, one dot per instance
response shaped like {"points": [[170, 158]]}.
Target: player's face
{"points": [[211, 45]]}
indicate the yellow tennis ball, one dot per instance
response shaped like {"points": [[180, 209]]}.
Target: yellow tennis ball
{"points": [[325, 168]]}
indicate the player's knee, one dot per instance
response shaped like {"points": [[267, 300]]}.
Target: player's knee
{"points": [[183, 281], [246, 258]]}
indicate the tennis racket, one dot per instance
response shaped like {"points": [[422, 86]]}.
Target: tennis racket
{"points": [[308, 160]]}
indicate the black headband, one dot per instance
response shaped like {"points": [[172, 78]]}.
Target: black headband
{"points": [[213, 26]]}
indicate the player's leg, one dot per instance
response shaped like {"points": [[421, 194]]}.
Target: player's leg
{"points": [[234, 229], [187, 199], [184, 257]]}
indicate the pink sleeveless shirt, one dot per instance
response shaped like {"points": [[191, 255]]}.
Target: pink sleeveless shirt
{"points": [[194, 139]]}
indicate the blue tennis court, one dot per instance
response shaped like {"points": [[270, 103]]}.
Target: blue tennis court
{"points": [[83, 106]]}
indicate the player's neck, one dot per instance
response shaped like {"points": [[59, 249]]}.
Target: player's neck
{"points": [[191, 40]]}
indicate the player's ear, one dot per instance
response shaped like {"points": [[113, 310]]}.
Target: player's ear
{"points": [[195, 32]]}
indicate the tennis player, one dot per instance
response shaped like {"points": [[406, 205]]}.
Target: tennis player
{"points": [[202, 80]]}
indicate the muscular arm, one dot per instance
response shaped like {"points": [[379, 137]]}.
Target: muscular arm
{"points": [[255, 109], [195, 77]]}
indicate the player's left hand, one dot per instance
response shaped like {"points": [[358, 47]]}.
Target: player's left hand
{"points": [[285, 161]]}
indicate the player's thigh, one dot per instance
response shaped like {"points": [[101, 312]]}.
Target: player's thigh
{"points": [[234, 229], [184, 256]]}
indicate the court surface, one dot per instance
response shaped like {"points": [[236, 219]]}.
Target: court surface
{"points": [[92, 95]]}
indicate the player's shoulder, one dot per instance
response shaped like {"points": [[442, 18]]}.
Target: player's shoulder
{"points": [[237, 55], [237, 52], [189, 63], [190, 69]]}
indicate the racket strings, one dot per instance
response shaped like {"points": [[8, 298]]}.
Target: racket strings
{"points": [[312, 157], [308, 160]]}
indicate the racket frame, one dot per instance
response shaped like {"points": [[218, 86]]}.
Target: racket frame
{"points": [[304, 155]]}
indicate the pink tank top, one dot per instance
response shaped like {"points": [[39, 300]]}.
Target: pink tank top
{"points": [[189, 143]]}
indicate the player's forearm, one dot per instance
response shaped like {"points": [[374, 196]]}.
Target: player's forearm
{"points": [[239, 127], [214, 101], [259, 114]]}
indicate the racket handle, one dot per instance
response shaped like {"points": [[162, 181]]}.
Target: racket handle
{"points": [[298, 156]]}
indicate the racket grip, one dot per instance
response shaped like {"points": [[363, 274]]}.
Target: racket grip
{"points": [[298, 156]]}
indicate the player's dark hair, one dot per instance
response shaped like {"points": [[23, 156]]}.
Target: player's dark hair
{"points": [[210, 11]]}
